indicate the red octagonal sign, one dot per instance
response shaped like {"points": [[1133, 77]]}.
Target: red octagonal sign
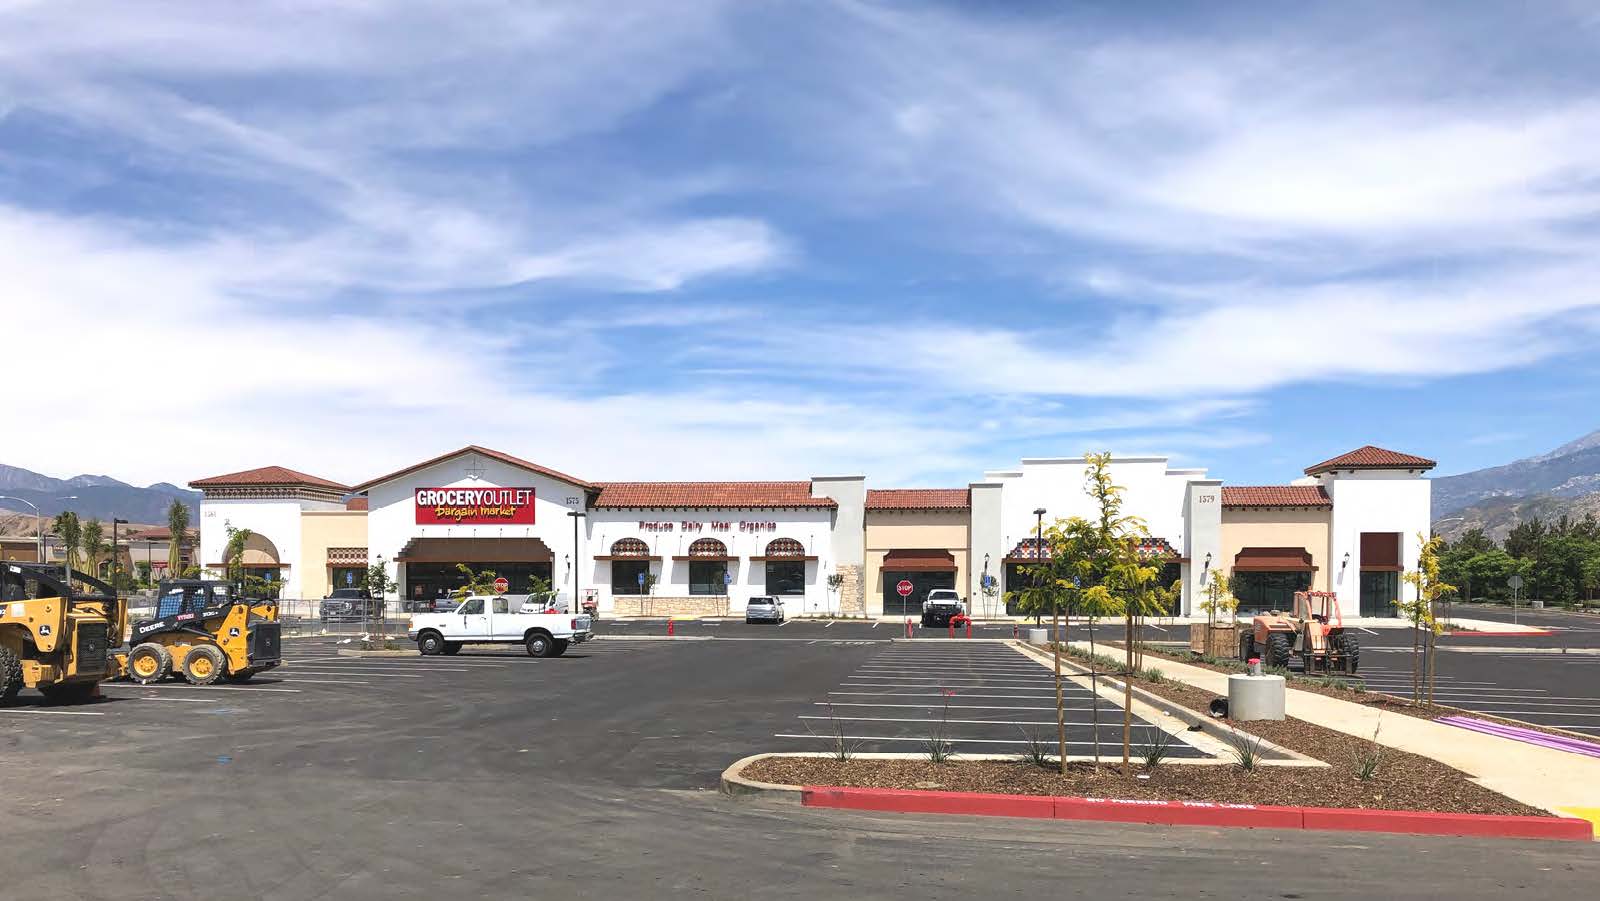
{"points": [[501, 586], [904, 588]]}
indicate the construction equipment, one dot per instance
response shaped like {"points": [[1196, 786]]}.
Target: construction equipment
{"points": [[1314, 630], [203, 633], [53, 638]]}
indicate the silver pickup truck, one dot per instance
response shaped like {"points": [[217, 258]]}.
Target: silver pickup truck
{"points": [[482, 619]]}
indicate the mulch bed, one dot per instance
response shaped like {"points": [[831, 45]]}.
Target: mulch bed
{"points": [[1395, 787]]}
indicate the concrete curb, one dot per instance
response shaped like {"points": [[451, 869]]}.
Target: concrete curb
{"points": [[1193, 719], [736, 785], [357, 652], [1198, 813]]}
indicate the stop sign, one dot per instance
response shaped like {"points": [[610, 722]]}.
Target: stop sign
{"points": [[904, 588], [501, 586]]}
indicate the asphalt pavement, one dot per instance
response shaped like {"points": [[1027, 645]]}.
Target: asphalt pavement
{"points": [[494, 775]]}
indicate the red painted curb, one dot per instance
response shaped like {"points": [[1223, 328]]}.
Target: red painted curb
{"points": [[1196, 813]]}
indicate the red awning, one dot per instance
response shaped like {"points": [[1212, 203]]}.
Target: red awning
{"points": [[1273, 559], [919, 560]]}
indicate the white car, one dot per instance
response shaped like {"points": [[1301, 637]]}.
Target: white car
{"points": [[483, 619]]}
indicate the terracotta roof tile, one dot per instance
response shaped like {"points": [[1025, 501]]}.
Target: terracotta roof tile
{"points": [[709, 494], [1370, 457], [1275, 496], [357, 504], [161, 533], [473, 448], [919, 499], [266, 475]]}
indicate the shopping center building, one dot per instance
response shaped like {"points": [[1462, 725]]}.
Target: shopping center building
{"points": [[827, 545]]}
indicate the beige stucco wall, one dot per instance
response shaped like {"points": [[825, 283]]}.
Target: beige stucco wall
{"points": [[887, 531], [1290, 527], [320, 530]]}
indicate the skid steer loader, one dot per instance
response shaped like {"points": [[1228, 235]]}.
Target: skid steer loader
{"points": [[55, 638], [202, 633]]}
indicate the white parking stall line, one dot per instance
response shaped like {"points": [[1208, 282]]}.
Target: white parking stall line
{"points": [[176, 700], [828, 624], [920, 694], [892, 719], [41, 711], [1366, 630], [313, 672], [785, 623], [1582, 703], [328, 681], [953, 741], [954, 686], [188, 687], [1106, 704], [876, 624]]}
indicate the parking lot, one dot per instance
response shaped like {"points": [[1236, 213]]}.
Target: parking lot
{"points": [[492, 774]]}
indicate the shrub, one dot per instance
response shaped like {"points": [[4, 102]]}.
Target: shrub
{"points": [[1036, 750], [1246, 751], [1158, 749]]}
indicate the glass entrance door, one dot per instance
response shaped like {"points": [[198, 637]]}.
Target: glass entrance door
{"points": [[1379, 591]]}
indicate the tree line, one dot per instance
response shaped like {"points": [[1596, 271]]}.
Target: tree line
{"points": [[86, 546], [1559, 561]]}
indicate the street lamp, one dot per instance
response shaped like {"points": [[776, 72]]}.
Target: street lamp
{"points": [[38, 520], [577, 517]]}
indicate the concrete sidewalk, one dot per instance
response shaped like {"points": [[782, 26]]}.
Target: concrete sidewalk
{"points": [[1557, 781]]}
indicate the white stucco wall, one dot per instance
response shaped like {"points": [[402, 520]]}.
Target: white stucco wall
{"points": [[392, 521], [1374, 501], [812, 527], [276, 519]]}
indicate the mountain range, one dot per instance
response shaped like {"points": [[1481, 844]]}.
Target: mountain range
{"points": [[1565, 481], [93, 496]]}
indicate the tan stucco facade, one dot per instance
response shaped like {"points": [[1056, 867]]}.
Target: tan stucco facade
{"points": [[1297, 527], [320, 530], [947, 530]]}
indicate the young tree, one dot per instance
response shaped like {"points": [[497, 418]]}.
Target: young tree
{"points": [[1044, 593], [1218, 601], [377, 581], [233, 555], [177, 534], [93, 539], [1420, 610], [479, 581], [70, 531]]}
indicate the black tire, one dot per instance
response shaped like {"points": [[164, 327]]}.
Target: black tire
{"points": [[1352, 652], [10, 675], [452, 648], [561, 647], [241, 677], [1278, 650], [204, 665], [69, 692], [430, 644], [926, 623], [149, 663], [540, 644]]}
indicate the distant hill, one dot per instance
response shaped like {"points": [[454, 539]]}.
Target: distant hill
{"points": [[1565, 481], [96, 496]]}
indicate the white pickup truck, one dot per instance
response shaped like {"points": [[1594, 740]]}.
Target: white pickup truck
{"points": [[482, 619]]}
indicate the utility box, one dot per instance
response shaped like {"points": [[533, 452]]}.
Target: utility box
{"points": [[1255, 697]]}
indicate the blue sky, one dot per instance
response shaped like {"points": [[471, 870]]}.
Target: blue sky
{"points": [[778, 239]]}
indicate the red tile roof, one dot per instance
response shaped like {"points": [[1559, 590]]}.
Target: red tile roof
{"points": [[266, 475], [358, 504], [1370, 457], [1275, 496], [919, 499], [161, 533], [709, 494], [473, 448]]}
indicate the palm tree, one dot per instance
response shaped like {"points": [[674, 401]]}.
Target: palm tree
{"points": [[66, 527], [94, 545], [177, 533]]}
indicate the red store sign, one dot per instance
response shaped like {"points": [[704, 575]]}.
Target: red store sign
{"points": [[474, 506]]}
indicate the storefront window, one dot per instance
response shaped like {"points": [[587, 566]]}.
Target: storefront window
{"points": [[1259, 591], [786, 577], [625, 576], [708, 577], [1379, 591]]}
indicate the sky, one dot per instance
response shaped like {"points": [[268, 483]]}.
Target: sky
{"points": [[752, 239]]}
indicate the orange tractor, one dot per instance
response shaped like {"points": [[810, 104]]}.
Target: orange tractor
{"points": [[1314, 631]]}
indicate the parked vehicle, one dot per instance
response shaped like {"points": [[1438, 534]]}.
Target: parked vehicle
{"points": [[482, 619], [55, 637], [202, 633], [764, 609], [941, 606], [351, 605], [533, 603], [1314, 630]]}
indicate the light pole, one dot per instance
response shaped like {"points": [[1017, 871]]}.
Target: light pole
{"points": [[38, 520], [577, 602]]}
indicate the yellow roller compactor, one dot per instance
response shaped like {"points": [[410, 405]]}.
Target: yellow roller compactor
{"points": [[203, 633], [55, 638]]}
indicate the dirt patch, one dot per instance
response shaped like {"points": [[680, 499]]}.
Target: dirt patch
{"points": [[1394, 787]]}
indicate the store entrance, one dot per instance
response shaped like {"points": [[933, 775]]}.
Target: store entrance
{"points": [[921, 584], [426, 582]]}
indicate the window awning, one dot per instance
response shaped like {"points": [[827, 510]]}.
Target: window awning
{"points": [[919, 560], [1273, 559], [706, 558], [611, 557], [777, 558], [476, 550]]}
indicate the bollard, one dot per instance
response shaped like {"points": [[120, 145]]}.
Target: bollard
{"points": [[1016, 632], [670, 630], [908, 627], [969, 627], [952, 627]]}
